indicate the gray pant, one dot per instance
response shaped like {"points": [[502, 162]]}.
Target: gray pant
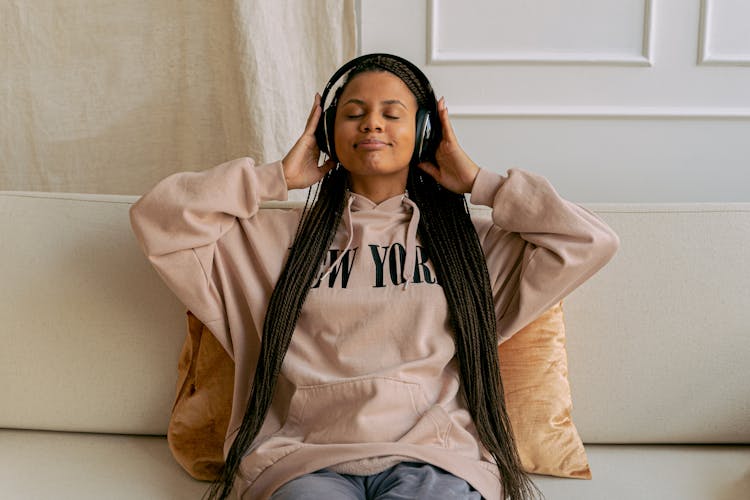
{"points": [[404, 481]]}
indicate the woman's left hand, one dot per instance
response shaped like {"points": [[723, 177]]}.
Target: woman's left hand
{"points": [[455, 171]]}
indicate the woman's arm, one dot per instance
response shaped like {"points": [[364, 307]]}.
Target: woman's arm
{"points": [[192, 209], [179, 222], [538, 246]]}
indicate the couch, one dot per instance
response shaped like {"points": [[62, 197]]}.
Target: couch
{"points": [[658, 348]]}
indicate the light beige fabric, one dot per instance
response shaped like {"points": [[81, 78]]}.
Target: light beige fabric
{"points": [[109, 97]]}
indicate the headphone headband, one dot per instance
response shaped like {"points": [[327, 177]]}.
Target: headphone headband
{"points": [[364, 58]]}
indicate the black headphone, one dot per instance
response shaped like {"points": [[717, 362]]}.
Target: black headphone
{"points": [[428, 133]]}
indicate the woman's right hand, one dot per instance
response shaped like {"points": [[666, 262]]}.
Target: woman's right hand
{"points": [[300, 164]]}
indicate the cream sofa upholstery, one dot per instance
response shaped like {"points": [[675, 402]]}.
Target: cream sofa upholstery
{"points": [[658, 349]]}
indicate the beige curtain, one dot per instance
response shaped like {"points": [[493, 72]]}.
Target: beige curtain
{"points": [[109, 97]]}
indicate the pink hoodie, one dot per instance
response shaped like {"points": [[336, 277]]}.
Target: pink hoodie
{"points": [[370, 378]]}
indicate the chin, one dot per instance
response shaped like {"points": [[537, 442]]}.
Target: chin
{"points": [[373, 166]]}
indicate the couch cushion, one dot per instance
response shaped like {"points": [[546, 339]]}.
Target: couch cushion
{"points": [[39, 464], [94, 466], [664, 472]]}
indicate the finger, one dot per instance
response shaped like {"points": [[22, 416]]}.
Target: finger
{"points": [[448, 133], [431, 170], [312, 119], [315, 112]]}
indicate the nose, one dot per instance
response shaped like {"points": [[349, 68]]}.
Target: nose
{"points": [[371, 122]]}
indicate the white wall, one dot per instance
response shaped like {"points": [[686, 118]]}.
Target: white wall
{"points": [[612, 100]]}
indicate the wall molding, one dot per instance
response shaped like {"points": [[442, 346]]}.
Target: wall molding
{"points": [[603, 112], [435, 56], [705, 56]]}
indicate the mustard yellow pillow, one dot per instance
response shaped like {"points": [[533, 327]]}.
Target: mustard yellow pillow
{"points": [[533, 366], [200, 415], [534, 370]]}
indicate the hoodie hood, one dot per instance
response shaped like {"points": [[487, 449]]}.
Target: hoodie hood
{"points": [[394, 210]]}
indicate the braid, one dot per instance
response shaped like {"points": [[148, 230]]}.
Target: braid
{"points": [[315, 233], [446, 231]]}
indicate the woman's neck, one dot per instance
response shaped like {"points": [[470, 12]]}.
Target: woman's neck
{"points": [[378, 188]]}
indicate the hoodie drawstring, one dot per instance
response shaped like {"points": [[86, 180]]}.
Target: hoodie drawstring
{"points": [[411, 242], [350, 230]]}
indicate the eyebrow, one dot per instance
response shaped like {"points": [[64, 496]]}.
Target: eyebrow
{"points": [[363, 103]]}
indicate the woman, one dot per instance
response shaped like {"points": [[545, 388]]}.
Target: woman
{"points": [[380, 307]]}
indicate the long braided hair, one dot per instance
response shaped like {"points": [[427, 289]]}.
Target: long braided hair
{"points": [[447, 233]]}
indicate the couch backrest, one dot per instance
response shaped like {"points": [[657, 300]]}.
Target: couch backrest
{"points": [[658, 343], [659, 340], [89, 335]]}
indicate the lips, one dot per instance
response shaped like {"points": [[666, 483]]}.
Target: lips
{"points": [[370, 144]]}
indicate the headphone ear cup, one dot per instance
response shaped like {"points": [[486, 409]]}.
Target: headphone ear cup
{"points": [[329, 120], [324, 133], [320, 134], [422, 142]]}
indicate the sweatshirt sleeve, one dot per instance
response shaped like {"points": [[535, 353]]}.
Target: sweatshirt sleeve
{"points": [[539, 247], [178, 222]]}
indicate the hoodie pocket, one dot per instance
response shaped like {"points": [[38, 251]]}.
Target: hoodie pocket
{"points": [[377, 409]]}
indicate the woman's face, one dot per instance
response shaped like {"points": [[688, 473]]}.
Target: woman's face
{"points": [[375, 126]]}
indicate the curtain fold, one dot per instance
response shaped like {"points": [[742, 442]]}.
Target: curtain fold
{"points": [[110, 97]]}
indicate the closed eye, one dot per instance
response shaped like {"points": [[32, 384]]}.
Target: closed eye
{"points": [[390, 117]]}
